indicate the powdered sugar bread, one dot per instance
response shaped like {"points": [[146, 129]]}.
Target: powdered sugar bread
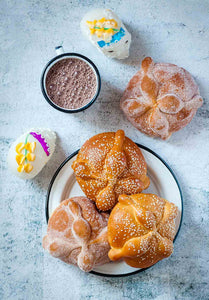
{"points": [[110, 164], [160, 99], [77, 234], [141, 229]]}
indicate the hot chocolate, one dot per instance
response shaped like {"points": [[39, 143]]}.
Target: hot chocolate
{"points": [[71, 83]]}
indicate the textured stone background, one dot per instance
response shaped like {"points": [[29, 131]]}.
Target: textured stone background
{"points": [[169, 31]]}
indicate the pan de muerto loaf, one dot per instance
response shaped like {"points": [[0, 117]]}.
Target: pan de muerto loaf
{"points": [[160, 99], [77, 234], [110, 164], [141, 229]]}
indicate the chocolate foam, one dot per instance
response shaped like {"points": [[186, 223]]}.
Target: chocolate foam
{"points": [[71, 83]]}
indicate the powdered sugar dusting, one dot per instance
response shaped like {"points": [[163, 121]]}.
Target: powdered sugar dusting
{"points": [[77, 234], [160, 99]]}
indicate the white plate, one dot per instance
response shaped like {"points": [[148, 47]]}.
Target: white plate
{"points": [[162, 183]]}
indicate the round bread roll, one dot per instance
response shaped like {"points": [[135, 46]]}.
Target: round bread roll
{"points": [[141, 229], [110, 164], [77, 234], [160, 99]]}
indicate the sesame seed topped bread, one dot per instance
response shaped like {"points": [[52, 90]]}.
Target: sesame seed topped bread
{"points": [[77, 234], [110, 164], [160, 99], [141, 229]]}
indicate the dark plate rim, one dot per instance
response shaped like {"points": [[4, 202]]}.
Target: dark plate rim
{"points": [[144, 148]]}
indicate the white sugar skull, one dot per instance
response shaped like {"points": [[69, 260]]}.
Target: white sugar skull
{"points": [[107, 32], [30, 152]]}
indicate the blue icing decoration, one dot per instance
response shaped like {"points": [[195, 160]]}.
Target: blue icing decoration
{"points": [[101, 44], [115, 38]]}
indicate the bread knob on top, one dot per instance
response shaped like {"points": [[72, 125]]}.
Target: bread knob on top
{"points": [[141, 229], [160, 99], [77, 234], [108, 165]]}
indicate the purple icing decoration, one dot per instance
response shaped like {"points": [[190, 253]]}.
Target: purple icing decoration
{"points": [[41, 141]]}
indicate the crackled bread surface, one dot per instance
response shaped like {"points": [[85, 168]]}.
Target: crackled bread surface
{"points": [[141, 229], [77, 234], [160, 99], [110, 164]]}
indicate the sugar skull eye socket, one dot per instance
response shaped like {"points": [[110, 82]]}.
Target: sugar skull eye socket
{"points": [[126, 42]]}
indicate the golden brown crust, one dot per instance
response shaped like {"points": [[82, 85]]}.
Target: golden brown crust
{"points": [[77, 234], [160, 99], [109, 164], [141, 229]]}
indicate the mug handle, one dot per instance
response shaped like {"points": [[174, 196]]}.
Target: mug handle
{"points": [[59, 50]]}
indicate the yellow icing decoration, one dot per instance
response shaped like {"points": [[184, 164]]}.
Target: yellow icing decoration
{"points": [[20, 168], [110, 31], [20, 159], [28, 168], [30, 146], [28, 155], [19, 147], [103, 28]]}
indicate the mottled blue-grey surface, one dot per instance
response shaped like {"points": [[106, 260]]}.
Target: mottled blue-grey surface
{"points": [[169, 31]]}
